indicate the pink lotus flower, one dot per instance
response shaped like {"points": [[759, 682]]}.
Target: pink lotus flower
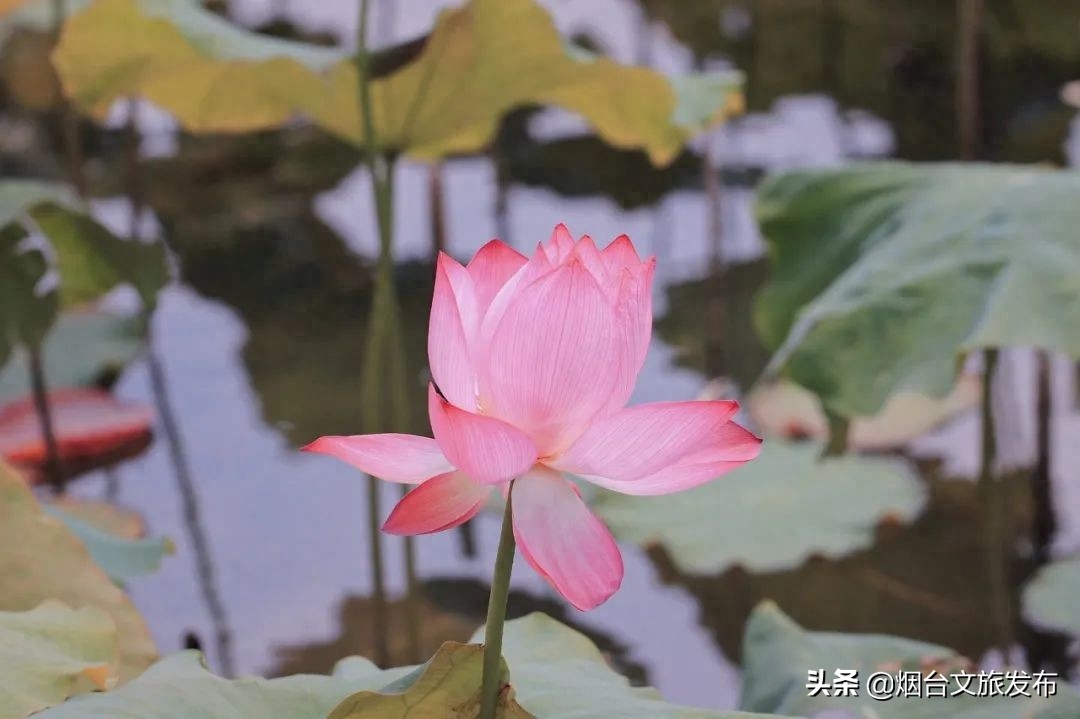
{"points": [[533, 361]]}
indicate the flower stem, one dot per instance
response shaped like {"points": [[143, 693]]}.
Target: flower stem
{"points": [[496, 614], [54, 465]]}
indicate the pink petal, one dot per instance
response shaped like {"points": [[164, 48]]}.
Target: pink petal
{"points": [[487, 449], [590, 257], [451, 332], [536, 267], [491, 268], [634, 318], [661, 448], [402, 458], [560, 246], [620, 254], [563, 541], [440, 503], [548, 367]]}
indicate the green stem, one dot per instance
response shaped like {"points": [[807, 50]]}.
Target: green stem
{"points": [[496, 614], [54, 466], [839, 428], [381, 327], [372, 401]]}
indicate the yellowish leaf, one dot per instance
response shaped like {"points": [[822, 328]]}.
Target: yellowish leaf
{"points": [[447, 687], [480, 61], [50, 653], [43, 560]]}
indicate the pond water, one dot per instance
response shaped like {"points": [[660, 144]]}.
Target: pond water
{"points": [[262, 340]]}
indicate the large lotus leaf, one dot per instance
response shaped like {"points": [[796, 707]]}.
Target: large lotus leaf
{"points": [[122, 558], [784, 409], [779, 654], [1051, 598], [480, 61], [774, 513], [42, 559], [558, 674], [52, 652], [181, 687], [887, 273], [26, 312], [90, 260], [448, 685], [82, 349]]}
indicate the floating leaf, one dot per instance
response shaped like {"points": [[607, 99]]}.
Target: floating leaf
{"points": [[123, 559], [43, 559], [558, 673], [93, 429], [784, 409], [109, 518], [181, 687], [480, 61], [1050, 599], [779, 654], [887, 273], [774, 513], [447, 686], [52, 652], [82, 349]]}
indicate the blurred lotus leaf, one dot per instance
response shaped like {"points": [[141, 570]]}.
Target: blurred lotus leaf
{"points": [[774, 513], [26, 311], [886, 274], [480, 61], [1050, 599], [784, 409], [558, 673], [89, 259], [84, 348], [93, 429], [43, 560], [181, 687], [779, 653], [114, 520], [448, 685], [122, 558], [52, 652]]}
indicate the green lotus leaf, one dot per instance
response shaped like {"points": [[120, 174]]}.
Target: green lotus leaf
{"points": [[779, 654], [555, 673], [51, 652], [1050, 599], [122, 558], [773, 513], [887, 274], [82, 349]]}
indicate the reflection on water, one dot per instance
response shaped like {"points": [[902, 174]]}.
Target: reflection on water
{"points": [[263, 341]]}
